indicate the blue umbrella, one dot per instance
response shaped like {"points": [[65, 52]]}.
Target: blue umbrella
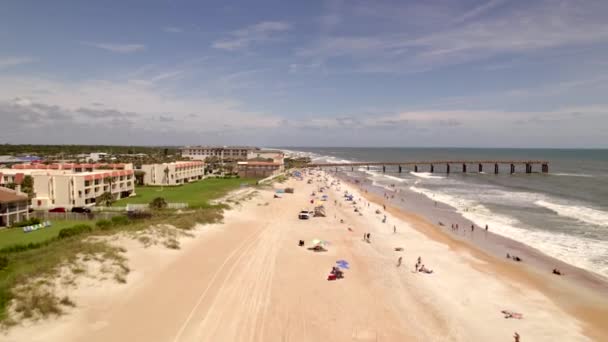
{"points": [[343, 264]]}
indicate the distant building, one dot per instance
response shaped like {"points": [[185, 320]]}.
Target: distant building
{"points": [[10, 160], [175, 173], [258, 169], [221, 152], [13, 207], [72, 185], [276, 156]]}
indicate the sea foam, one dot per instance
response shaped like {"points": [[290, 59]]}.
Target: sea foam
{"points": [[576, 250], [577, 212], [426, 175]]}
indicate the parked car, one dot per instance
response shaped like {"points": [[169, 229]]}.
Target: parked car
{"points": [[57, 210], [84, 210], [304, 215]]}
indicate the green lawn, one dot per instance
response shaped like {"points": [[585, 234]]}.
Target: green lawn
{"points": [[196, 194], [11, 236]]}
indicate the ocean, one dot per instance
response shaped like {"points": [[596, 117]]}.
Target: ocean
{"points": [[563, 214]]}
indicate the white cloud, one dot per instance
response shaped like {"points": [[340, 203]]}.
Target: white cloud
{"points": [[479, 10], [119, 48], [526, 28], [7, 62], [261, 32], [173, 29], [141, 104]]}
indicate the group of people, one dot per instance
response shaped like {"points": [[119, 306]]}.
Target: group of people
{"points": [[421, 268]]}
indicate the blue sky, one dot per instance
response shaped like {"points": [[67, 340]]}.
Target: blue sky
{"points": [[493, 73]]}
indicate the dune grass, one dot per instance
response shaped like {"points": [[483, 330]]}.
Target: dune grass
{"points": [[41, 253], [196, 194]]}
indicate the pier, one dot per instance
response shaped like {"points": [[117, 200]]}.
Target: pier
{"points": [[447, 166]]}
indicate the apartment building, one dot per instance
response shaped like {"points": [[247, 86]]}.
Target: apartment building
{"points": [[13, 207], [64, 187], [175, 173], [221, 152], [74, 167]]}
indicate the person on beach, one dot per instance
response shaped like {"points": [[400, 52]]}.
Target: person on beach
{"points": [[516, 337], [472, 228], [384, 206], [486, 227], [399, 261], [394, 229]]}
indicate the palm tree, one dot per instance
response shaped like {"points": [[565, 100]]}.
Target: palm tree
{"points": [[106, 199]]}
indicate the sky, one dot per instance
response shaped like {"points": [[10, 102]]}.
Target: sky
{"points": [[445, 73]]}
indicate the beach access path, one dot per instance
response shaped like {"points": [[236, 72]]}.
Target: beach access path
{"points": [[247, 280]]}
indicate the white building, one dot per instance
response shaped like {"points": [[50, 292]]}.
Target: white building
{"points": [[175, 173], [13, 207], [221, 152], [72, 185]]}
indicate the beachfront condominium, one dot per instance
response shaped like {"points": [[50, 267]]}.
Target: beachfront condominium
{"points": [[175, 173], [71, 185], [221, 152], [13, 207]]}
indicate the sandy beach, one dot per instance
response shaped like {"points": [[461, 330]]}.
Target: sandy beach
{"points": [[248, 280]]}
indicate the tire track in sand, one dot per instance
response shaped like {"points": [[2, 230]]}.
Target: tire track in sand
{"points": [[239, 309], [243, 247]]}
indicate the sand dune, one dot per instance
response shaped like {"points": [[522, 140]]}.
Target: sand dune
{"points": [[247, 280]]}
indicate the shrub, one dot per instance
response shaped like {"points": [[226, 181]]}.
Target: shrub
{"points": [[139, 215], [20, 247], [26, 223], [158, 203], [73, 231], [104, 224], [3, 262], [120, 220]]}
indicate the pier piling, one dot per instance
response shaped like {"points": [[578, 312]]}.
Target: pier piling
{"points": [[399, 165]]}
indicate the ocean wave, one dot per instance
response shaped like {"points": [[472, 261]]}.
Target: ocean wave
{"points": [[427, 175], [397, 179], [579, 251], [572, 175], [577, 212]]}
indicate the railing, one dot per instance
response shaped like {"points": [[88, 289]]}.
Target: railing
{"points": [[45, 215]]}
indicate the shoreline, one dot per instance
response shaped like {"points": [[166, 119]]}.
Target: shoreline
{"points": [[247, 279], [569, 291]]}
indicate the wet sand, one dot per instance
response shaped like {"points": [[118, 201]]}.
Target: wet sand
{"points": [[582, 293]]}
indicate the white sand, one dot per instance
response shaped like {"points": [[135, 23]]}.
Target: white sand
{"points": [[247, 280]]}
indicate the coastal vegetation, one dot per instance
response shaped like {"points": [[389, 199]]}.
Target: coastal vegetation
{"points": [[296, 162], [33, 265]]}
